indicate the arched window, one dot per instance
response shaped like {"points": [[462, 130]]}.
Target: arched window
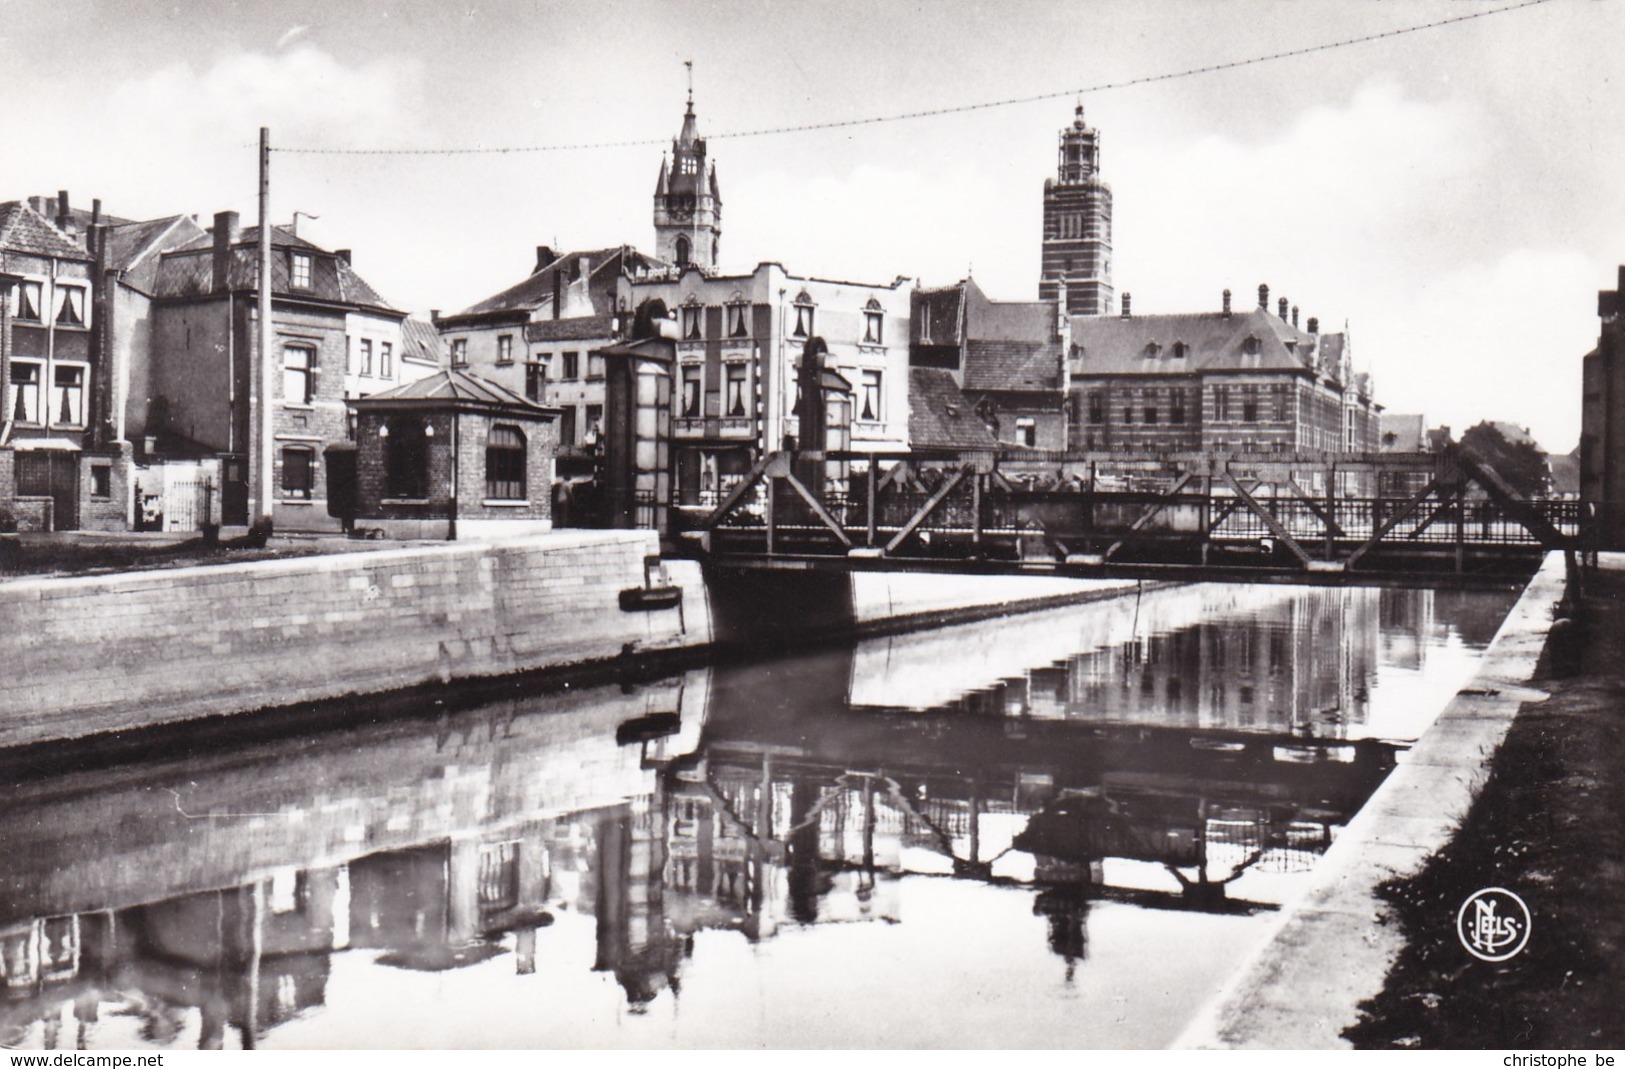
{"points": [[684, 254], [505, 464], [406, 457]]}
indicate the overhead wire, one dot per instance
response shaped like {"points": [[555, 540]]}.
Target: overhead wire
{"points": [[924, 113]]}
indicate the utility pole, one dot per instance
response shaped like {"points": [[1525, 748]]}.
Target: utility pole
{"points": [[265, 383]]}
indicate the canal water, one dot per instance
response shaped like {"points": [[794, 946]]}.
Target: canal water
{"points": [[1059, 829]]}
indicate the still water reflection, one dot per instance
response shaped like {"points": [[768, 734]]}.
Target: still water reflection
{"points": [[1058, 830]]}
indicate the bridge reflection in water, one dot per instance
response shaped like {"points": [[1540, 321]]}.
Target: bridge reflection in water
{"points": [[932, 816]]}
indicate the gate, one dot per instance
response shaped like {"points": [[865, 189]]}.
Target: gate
{"points": [[52, 473]]}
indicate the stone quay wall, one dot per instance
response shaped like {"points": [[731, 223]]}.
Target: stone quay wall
{"points": [[90, 655]]}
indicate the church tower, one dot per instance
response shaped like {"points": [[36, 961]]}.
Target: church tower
{"points": [[688, 205], [1078, 225]]}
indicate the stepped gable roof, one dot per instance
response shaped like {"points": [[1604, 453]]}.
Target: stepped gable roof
{"points": [[22, 229], [189, 271], [1144, 344], [939, 415], [419, 340], [452, 387], [536, 291]]}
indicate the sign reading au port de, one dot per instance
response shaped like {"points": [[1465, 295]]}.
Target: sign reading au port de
{"points": [[1493, 924]]}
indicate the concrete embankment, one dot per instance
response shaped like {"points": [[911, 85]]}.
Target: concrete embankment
{"points": [[96, 655], [1333, 947]]}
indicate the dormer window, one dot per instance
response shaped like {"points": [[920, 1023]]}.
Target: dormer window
{"points": [[1181, 350], [299, 274], [1251, 346], [1152, 350]]}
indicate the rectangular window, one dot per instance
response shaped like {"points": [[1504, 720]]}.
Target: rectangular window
{"points": [[1151, 414], [595, 365], [1027, 432], [505, 464], [567, 425], [386, 360], [300, 274], [298, 363], [70, 305], [1249, 404], [691, 390], [693, 327], [570, 366], [736, 389], [595, 423], [804, 322], [738, 321], [505, 349], [25, 391], [101, 481], [29, 295], [406, 458], [874, 324], [1097, 407], [68, 395], [366, 356], [535, 382], [1221, 403], [1176, 406], [298, 473], [1128, 413], [870, 404], [1278, 395]]}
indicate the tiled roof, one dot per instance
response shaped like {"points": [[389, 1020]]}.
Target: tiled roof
{"points": [[189, 272], [22, 229], [419, 339], [939, 416], [1012, 365], [989, 320], [1145, 345], [1409, 431], [537, 291], [131, 247], [579, 328], [456, 386]]}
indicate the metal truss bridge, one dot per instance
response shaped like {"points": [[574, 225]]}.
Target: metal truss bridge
{"points": [[1314, 517]]}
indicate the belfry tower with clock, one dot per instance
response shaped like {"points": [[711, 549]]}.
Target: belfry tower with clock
{"points": [[1078, 225], [688, 204]]}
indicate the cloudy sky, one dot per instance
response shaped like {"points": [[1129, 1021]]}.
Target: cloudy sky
{"points": [[1453, 194]]}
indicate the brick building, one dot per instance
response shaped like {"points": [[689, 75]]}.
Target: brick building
{"points": [[1216, 381], [333, 337], [1007, 358], [56, 469], [453, 455], [1077, 238]]}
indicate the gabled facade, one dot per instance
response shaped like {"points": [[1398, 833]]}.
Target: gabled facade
{"points": [[51, 371]]}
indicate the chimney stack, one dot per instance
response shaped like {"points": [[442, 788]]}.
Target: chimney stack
{"points": [[1127, 299], [434, 315], [1283, 308], [544, 256], [1294, 317], [1263, 296], [64, 217], [1227, 304], [227, 232], [1314, 325], [95, 211]]}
